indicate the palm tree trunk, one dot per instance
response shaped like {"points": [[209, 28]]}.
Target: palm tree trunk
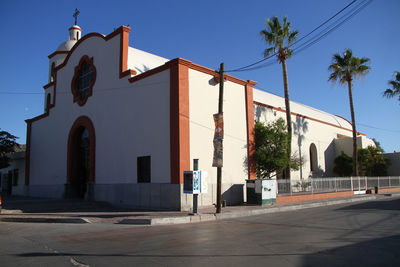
{"points": [[353, 121], [288, 116]]}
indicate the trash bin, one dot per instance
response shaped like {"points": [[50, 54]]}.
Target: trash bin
{"points": [[376, 190], [252, 197]]}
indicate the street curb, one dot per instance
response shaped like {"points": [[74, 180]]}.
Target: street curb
{"points": [[198, 217], [43, 220], [243, 213]]}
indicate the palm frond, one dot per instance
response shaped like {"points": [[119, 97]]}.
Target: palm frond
{"points": [[277, 33]]}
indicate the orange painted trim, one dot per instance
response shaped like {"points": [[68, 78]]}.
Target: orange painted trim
{"points": [[82, 121], [350, 124], [75, 77], [57, 53], [251, 146], [311, 197], [388, 190], [123, 31], [305, 117], [150, 73], [124, 41], [75, 28], [50, 84], [179, 120], [123, 58]]}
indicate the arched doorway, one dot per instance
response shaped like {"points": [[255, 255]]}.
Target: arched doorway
{"points": [[313, 158], [81, 161]]}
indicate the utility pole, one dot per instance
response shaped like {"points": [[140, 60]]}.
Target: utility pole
{"points": [[220, 111]]}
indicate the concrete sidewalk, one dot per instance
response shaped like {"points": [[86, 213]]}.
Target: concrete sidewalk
{"points": [[40, 210]]}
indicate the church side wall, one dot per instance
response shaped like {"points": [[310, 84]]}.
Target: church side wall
{"points": [[306, 132], [203, 103]]}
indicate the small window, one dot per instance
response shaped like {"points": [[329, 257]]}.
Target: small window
{"points": [[313, 158], [83, 80], [53, 72], [48, 100], [144, 169], [15, 177]]}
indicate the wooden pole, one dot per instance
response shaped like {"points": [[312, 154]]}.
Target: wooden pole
{"points": [[220, 111]]}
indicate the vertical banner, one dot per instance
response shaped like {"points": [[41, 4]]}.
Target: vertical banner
{"points": [[218, 137]]}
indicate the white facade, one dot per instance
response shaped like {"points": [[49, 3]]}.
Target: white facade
{"points": [[12, 178], [128, 132], [313, 131]]}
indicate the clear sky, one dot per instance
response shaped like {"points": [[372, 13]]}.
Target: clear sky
{"points": [[209, 32]]}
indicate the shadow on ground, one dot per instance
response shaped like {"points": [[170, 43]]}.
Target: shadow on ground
{"points": [[375, 252], [46, 205], [392, 204]]}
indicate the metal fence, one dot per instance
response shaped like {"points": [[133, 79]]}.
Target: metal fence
{"points": [[335, 184]]}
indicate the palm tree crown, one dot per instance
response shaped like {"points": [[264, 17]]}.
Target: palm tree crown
{"points": [[280, 37], [395, 84], [346, 67]]}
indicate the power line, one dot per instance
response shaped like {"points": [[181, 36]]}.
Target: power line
{"points": [[328, 30], [382, 129], [316, 38]]}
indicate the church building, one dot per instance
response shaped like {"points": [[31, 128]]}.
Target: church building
{"points": [[122, 125]]}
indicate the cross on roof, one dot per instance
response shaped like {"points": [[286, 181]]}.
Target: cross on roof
{"points": [[75, 15]]}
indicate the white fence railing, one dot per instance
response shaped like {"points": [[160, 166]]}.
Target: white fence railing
{"points": [[335, 184]]}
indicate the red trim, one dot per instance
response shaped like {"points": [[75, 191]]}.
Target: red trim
{"points": [[150, 72], [306, 117], [82, 121], [76, 28], [350, 124], [251, 147], [48, 85], [57, 53], [310, 197], [74, 91], [124, 41], [123, 58], [179, 119]]}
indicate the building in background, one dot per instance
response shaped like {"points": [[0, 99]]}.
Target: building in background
{"points": [[12, 178]]}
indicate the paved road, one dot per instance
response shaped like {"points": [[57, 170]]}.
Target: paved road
{"points": [[361, 234]]}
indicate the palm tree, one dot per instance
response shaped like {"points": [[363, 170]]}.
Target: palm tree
{"points": [[344, 69], [280, 37], [390, 93]]}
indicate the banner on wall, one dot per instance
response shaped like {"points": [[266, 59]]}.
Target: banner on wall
{"points": [[218, 137]]}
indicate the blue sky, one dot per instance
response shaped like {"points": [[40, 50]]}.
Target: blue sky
{"points": [[208, 33]]}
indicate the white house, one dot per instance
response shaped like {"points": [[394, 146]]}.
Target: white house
{"points": [[122, 125], [12, 178]]}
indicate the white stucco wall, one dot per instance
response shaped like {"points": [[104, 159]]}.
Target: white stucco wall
{"points": [[319, 127], [130, 120], [203, 103], [141, 61]]}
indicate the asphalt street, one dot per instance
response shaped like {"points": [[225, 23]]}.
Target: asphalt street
{"points": [[356, 234]]}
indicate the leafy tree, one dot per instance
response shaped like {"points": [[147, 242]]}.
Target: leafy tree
{"points": [[343, 165], [271, 143], [280, 37], [344, 69], [372, 162], [395, 84], [7, 145]]}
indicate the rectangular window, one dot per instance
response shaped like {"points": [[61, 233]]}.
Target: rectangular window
{"points": [[15, 177], [144, 169]]}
